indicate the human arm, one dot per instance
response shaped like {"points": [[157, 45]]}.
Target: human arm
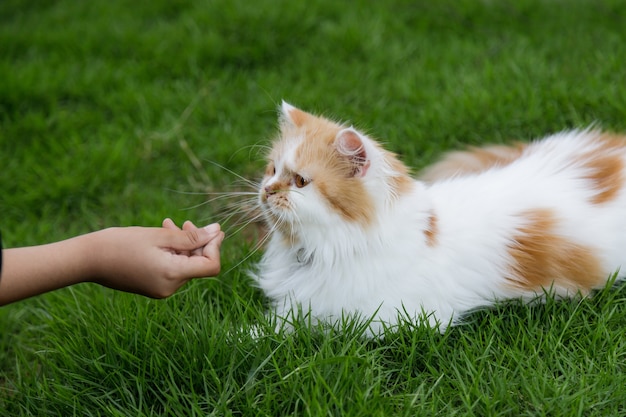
{"points": [[154, 262]]}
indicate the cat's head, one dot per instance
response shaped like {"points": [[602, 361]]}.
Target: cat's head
{"points": [[323, 174]]}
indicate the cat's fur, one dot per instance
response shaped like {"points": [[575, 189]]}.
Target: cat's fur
{"points": [[353, 233]]}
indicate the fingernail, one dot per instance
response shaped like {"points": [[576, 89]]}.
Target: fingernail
{"points": [[212, 228]]}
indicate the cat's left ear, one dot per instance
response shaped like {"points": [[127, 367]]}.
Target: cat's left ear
{"points": [[350, 144]]}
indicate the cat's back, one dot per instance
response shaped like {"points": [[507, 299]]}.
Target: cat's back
{"points": [[600, 154], [559, 202], [587, 166]]}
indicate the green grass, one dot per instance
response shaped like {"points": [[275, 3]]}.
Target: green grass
{"points": [[105, 108]]}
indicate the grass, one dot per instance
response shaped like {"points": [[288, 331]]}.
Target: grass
{"points": [[111, 110]]}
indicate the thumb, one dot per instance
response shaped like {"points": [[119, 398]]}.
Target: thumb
{"points": [[207, 265]]}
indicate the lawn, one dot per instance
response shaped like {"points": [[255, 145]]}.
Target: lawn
{"points": [[117, 113]]}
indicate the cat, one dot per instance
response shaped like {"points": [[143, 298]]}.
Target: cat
{"points": [[352, 233]]}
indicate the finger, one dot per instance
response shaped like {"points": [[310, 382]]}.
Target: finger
{"points": [[188, 225], [209, 264], [188, 240], [212, 249], [169, 224]]}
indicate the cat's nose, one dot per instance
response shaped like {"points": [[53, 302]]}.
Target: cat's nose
{"points": [[269, 190]]}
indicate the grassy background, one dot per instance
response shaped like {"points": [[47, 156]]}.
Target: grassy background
{"points": [[110, 110]]}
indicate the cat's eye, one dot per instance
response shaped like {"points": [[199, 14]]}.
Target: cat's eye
{"points": [[300, 181]]}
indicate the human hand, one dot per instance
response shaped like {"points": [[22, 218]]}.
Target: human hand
{"points": [[188, 226], [155, 262]]}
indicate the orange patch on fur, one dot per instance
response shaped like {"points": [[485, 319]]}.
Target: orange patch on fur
{"points": [[331, 174], [473, 161], [542, 258], [349, 199], [605, 168], [432, 230]]}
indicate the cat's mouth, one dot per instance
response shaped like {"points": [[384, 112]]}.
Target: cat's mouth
{"points": [[278, 212]]}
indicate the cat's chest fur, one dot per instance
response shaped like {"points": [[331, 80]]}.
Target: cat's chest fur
{"points": [[413, 260], [347, 269], [354, 234]]}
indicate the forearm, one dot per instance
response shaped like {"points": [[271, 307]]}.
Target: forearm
{"points": [[34, 270]]}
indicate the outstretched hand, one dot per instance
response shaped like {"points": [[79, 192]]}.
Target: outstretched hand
{"points": [[150, 261], [157, 261]]}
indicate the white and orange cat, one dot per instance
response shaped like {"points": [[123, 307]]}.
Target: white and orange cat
{"points": [[353, 234]]}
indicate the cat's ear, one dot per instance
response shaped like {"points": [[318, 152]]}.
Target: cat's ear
{"points": [[289, 115], [350, 145]]}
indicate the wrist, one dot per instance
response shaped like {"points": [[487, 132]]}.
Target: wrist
{"points": [[88, 254]]}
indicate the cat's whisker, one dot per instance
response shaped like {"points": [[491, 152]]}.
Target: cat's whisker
{"points": [[220, 196], [245, 224], [230, 171], [227, 196], [248, 202], [255, 185], [254, 250], [230, 195], [172, 190], [238, 223], [242, 208], [258, 146], [237, 184]]}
